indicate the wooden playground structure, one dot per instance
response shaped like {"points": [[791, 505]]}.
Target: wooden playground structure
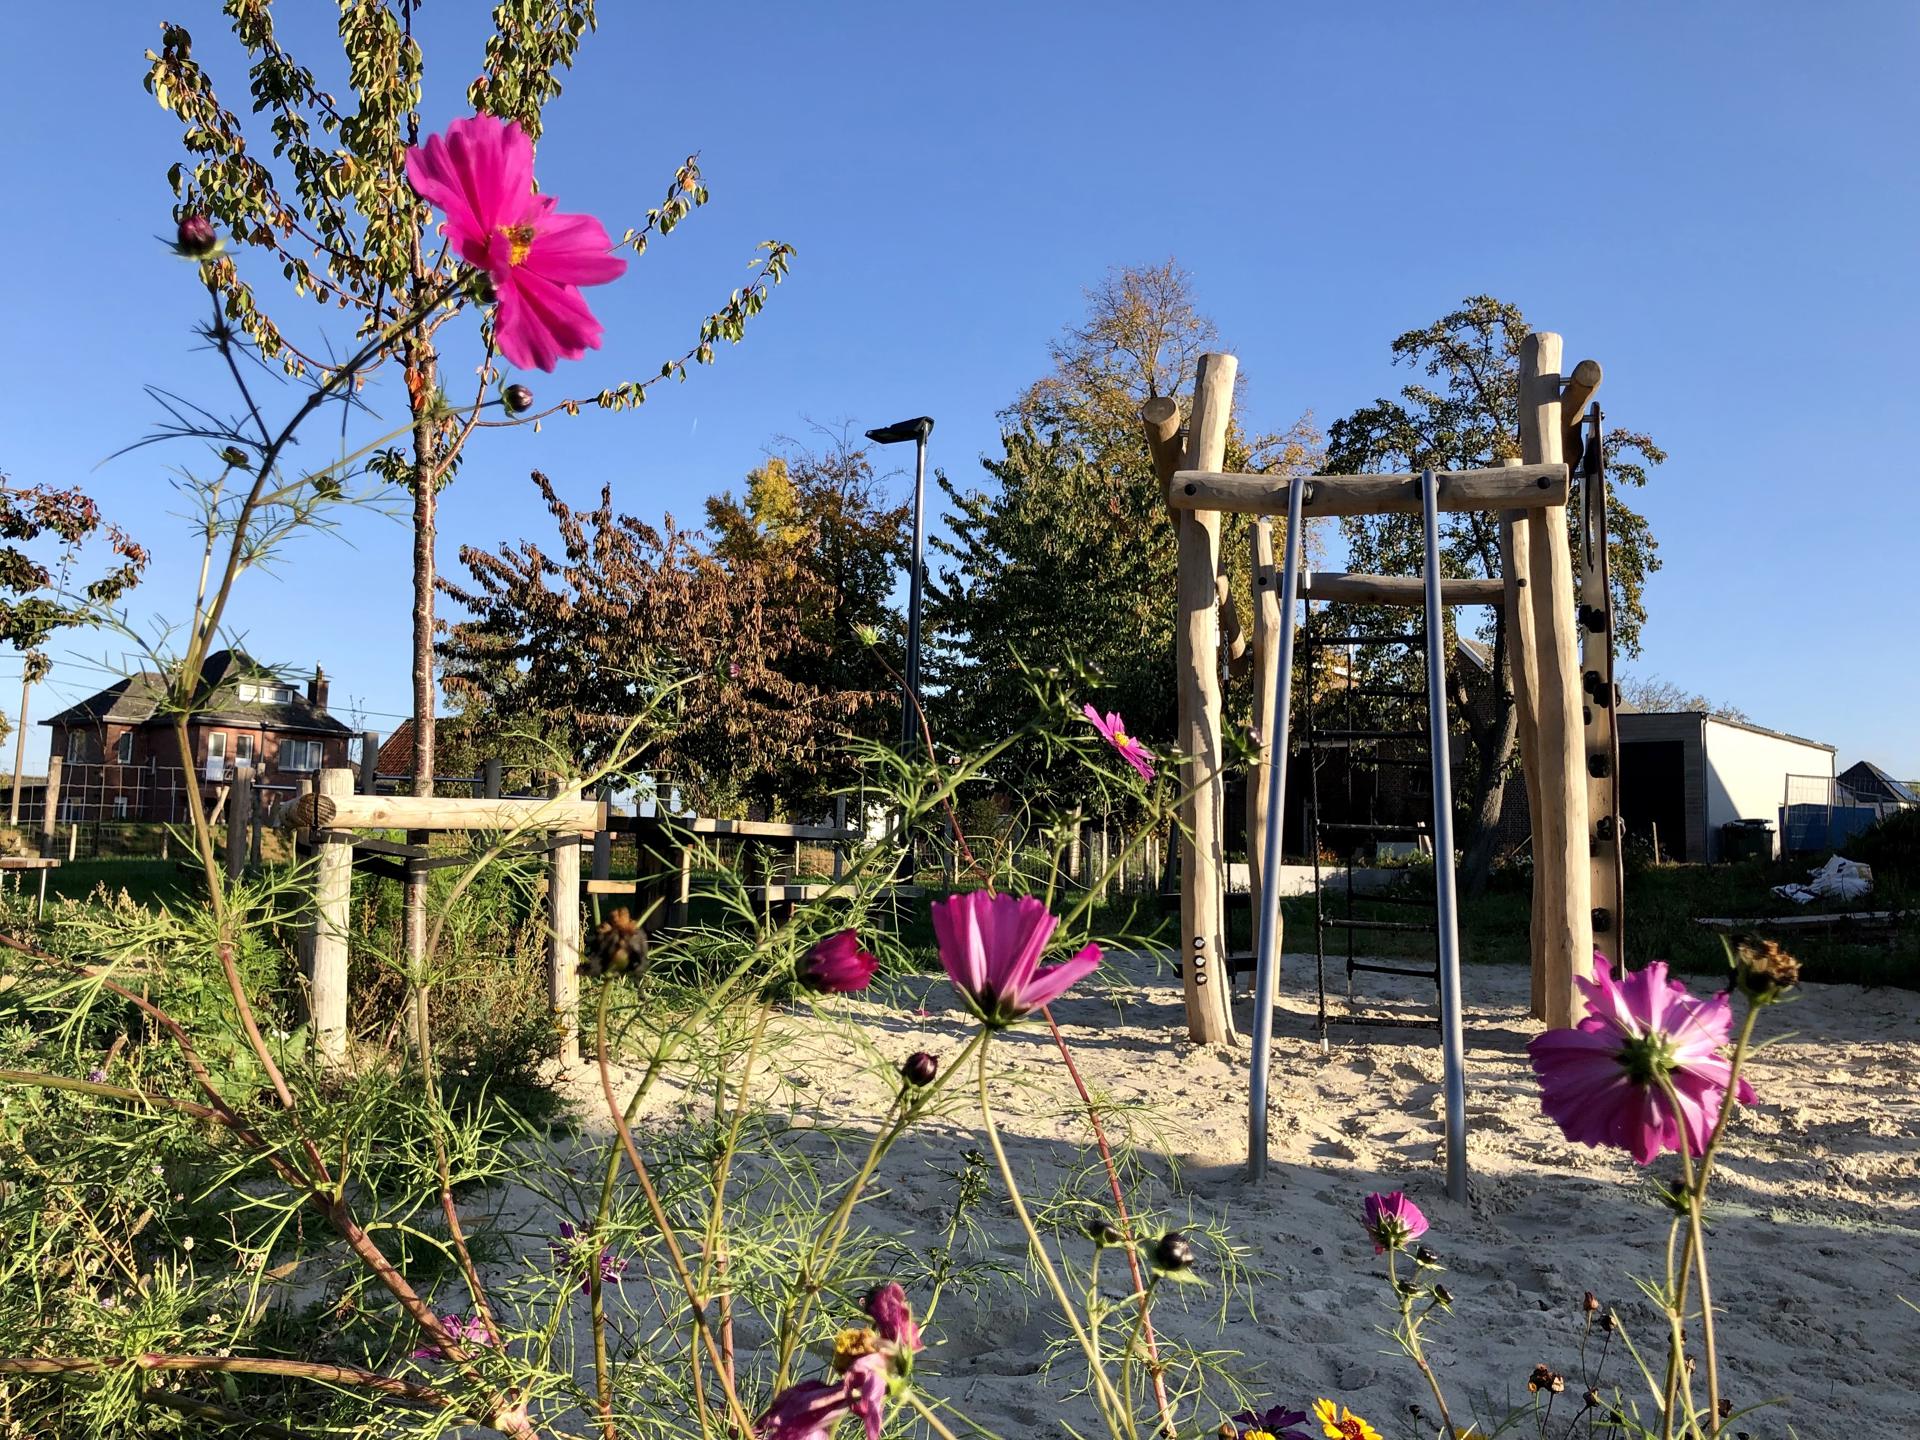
{"points": [[1559, 651]]}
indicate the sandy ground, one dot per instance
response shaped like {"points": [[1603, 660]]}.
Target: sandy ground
{"points": [[1817, 1240]]}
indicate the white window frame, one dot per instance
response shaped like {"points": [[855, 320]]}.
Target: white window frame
{"points": [[123, 748], [243, 751], [76, 747], [119, 807], [302, 757], [216, 767]]}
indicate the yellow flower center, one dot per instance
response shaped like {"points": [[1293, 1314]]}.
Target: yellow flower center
{"points": [[520, 241], [1121, 739], [850, 1345]]}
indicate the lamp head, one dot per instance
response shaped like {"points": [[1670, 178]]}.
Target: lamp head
{"points": [[917, 429]]}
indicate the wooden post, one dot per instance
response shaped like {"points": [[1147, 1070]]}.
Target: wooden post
{"points": [[73, 840], [369, 762], [1515, 550], [603, 843], [1266, 663], [563, 953], [1203, 949], [239, 821], [50, 804], [256, 840], [490, 779], [1560, 829], [839, 845], [327, 948]]}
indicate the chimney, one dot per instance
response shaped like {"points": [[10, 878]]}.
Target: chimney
{"points": [[317, 689]]}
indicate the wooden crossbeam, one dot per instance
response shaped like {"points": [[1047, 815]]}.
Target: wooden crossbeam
{"points": [[437, 812], [1511, 487], [1408, 590]]}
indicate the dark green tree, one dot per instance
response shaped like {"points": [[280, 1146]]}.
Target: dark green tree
{"points": [[1465, 415]]}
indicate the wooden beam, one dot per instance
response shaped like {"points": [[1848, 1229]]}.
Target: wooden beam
{"points": [[1203, 949], [1560, 829], [1160, 420], [1577, 390], [1511, 487], [443, 812], [1408, 590]]}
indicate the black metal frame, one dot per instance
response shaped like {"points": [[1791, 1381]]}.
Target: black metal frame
{"points": [[1350, 736]]}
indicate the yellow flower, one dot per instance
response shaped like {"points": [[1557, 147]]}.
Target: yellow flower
{"points": [[849, 1345], [1339, 1423]]}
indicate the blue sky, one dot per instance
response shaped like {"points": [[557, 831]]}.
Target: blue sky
{"points": [[1716, 201]]}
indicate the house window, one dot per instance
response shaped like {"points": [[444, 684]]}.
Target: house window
{"points": [[261, 692], [300, 755], [123, 748], [76, 746], [119, 807], [243, 750], [217, 755]]}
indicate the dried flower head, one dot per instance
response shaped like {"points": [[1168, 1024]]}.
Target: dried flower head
{"points": [[1763, 970], [619, 947]]}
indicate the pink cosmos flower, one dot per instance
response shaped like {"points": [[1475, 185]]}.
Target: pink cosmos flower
{"points": [[991, 946], [480, 174], [806, 1411], [837, 965], [888, 1306], [1115, 729], [1393, 1220], [1599, 1081]]}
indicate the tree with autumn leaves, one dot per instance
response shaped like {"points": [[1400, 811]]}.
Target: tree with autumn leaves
{"points": [[734, 671]]}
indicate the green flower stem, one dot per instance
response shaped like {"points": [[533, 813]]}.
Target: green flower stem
{"points": [[1410, 1335], [1118, 1422], [934, 1422], [824, 1248], [664, 1225], [713, 1260], [1694, 1255]]}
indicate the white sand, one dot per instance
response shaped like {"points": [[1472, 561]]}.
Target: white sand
{"points": [[1818, 1236]]}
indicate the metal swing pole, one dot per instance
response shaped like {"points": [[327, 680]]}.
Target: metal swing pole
{"points": [[1453, 1058], [1279, 715]]}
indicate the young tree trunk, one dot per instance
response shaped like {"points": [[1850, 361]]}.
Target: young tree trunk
{"points": [[423, 381], [1495, 749]]}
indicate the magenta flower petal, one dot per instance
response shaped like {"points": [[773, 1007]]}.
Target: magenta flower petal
{"points": [[991, 946], [1599, 1080], [1393, 1220], [1114, 729], [1054, 981], [806, 1411], [480, 175], [893, 1316], [867, 1391], [837, 965]]}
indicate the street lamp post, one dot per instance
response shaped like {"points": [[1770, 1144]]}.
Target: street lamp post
{"points": [[916, 430]]}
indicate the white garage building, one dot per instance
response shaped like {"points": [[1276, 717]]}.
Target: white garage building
{"points": [[1685, 774]]}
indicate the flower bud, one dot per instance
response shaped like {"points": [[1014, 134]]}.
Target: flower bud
{"points": [[1443, 1295], [519, 399], [919, 1068], [1172, 1253], [236, 457], [1104, 1233], [480, 286], [195, 237], [1426, 1259], [1591, 1304]]}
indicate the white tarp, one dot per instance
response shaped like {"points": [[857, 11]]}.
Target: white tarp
{"points": [[1838, 879]]}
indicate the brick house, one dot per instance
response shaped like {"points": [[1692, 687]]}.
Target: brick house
{"points": [[121, 755]]}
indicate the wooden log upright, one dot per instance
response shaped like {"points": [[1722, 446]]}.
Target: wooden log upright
{"points": [[327, 946], [1560, 824], [1203, 950], [369, 762], [1522, 667], [50, 804], [1266, 663], [563, 952], [239, 821]]}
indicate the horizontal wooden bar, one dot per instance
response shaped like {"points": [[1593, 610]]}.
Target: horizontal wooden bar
{"points": [[611, 887], [1511, 487], [438, 812], [739, 829], [1407, 590]]}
